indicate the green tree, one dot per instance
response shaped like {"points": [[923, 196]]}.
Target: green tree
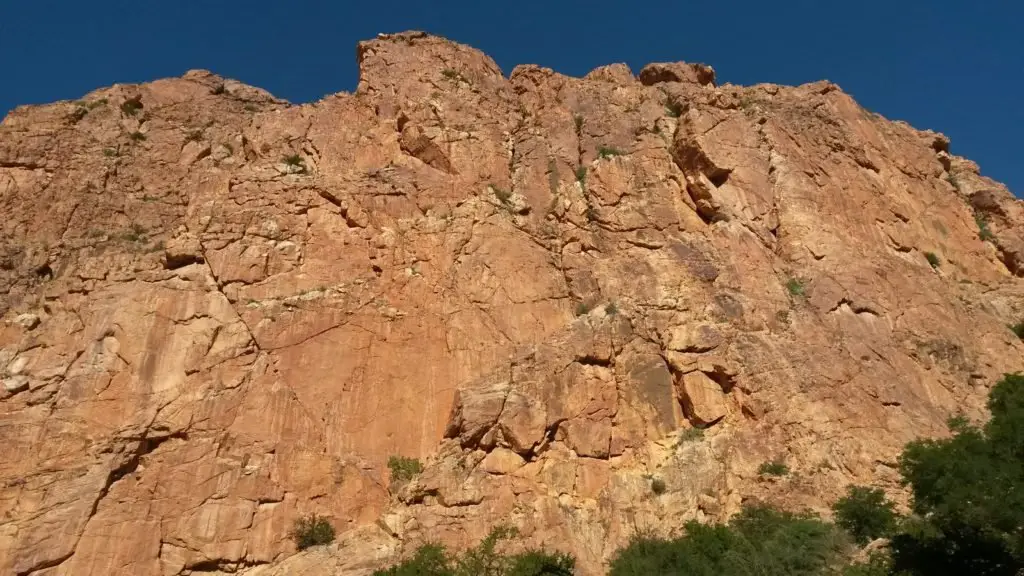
{"points": [[760, 541], [865, 513], [312, 530], [968, 494]]}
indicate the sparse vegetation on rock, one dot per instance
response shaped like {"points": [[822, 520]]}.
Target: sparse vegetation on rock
{"points": [[183, 373], [131, 106], [312, 530], [483, 560], [795, 286], [403, 468], [1018, 329], [773, 468]]}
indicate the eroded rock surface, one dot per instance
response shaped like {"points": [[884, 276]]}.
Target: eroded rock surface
{"points": [[222, 311]]}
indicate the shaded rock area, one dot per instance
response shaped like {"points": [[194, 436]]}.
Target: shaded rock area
{"points": [[222, 311]]}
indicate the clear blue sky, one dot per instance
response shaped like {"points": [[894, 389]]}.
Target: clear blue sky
{"points": [[949, 65]]}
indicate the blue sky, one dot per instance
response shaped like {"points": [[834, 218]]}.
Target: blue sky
{"points": [[952, 66]]}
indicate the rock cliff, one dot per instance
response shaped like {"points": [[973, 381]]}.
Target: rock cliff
{"points": [[589, 305]]}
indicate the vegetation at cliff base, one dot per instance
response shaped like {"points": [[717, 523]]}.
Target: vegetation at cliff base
{"points": [[759, 540], [966, 517], [865, 514], [483, 560]]}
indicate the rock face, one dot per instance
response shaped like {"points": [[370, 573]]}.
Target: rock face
{"points": [[222, 311]]}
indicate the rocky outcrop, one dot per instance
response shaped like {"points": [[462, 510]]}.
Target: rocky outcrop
{"points": [[222, 311]]}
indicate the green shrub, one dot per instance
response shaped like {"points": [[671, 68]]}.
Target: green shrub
{"points": [[658, 486], [953, 180], [110, 152], [878, 564], [137, 136], [795, 286], [96, 104], [758, 541], [404, 469], [219, 89], [79, 113], [773, 468], [131, 106], [1018, 329], [312, 530], [611, 309], [865, 513], [452, 74], [674, 109], [967, 494], [251, 108], [608, 152], [691, 435], [582, 308], [136, 233], [295, 161], [577, 121], [932, 259], [983, 230], [581, 176], [483, 560]]}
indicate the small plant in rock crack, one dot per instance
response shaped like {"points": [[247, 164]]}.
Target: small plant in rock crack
{"points": [[582, 308], [312, 530], [773, 468], [1018, 329], [591, 214], [796, 287], [251, 108], [452, 74], [78, 114], [674, 109], [608, 152], [110, 152], [691, 435], [219, 89], [984, 233], [933, 260], [658, 486], [611, 309], [953, 181], [132, 106], [577, 121], [295, 161], [581, 176], [137, 136], [404, 469], [137, 233], [194, 136]]}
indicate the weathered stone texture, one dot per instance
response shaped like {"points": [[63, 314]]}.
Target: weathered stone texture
{"points": [[221, 311]]}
